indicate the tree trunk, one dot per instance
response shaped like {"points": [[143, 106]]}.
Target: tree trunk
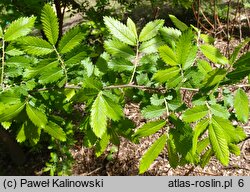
{"points": [[60, 15]]}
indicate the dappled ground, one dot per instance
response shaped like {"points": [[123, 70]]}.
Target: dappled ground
{"points": [[127, 161]]}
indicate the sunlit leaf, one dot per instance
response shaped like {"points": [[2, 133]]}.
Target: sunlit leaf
{"points": [[120, 31], [98, 118], [36, 116], [195, 113], [213, 54], [55, 131], [50, 24], [219, 143], [241, 105], [149, 128], [152, 153], [19, 28], [150, 30]]}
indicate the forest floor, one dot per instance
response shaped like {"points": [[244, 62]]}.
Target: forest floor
{"points": [[126, 162]]}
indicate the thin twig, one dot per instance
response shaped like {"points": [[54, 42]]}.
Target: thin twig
{"points": [[205, 173], [189, 89], [206, 19], [3, 63], [87, 174], [133, 86], [62, 63], [136, 62], [198, 20], [242, 85], [228, 32], [215, 16]]}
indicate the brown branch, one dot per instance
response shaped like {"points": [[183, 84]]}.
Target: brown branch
{"points": [[198, 20], [134, 86], [207, 19], [228, 30]]}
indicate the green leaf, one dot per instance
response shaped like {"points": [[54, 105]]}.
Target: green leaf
{"points": [[165, 75], [29, 131], [235, 54], [92, 83], [121, 65], [152, 153], [88, 65], [207, 38], [150, 30], [36, 116], [242, 68], [233, 135], [155, 100], [35, 46], [19, 62], [172, 153], [120, 31], [234, 149], [181, 135], [8, 112], [50, 24], [19, 28], [98, 118], [42, 66], [179, 24], [10, 97], [203, 144], [118, 49], [85, 94], [89, 138], [170, 34], [50, 76], [21, 137], [75, 59], [198, 130], [206, 157], [219, 143], [168, 55], [12, 50], [213, 54], [195, 113], [204, 67], [241, 105], [149, 128], [1, 32], [55, 131], [239, 135], [213, 78], [132, 27], [185, 51], [151, 46], [113, 110], [174, 82], [102, 144], [152, 111], [219, 111], [70, 40]]}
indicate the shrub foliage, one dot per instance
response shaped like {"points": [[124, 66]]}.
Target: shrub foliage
{"points": [[185, 98]]}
